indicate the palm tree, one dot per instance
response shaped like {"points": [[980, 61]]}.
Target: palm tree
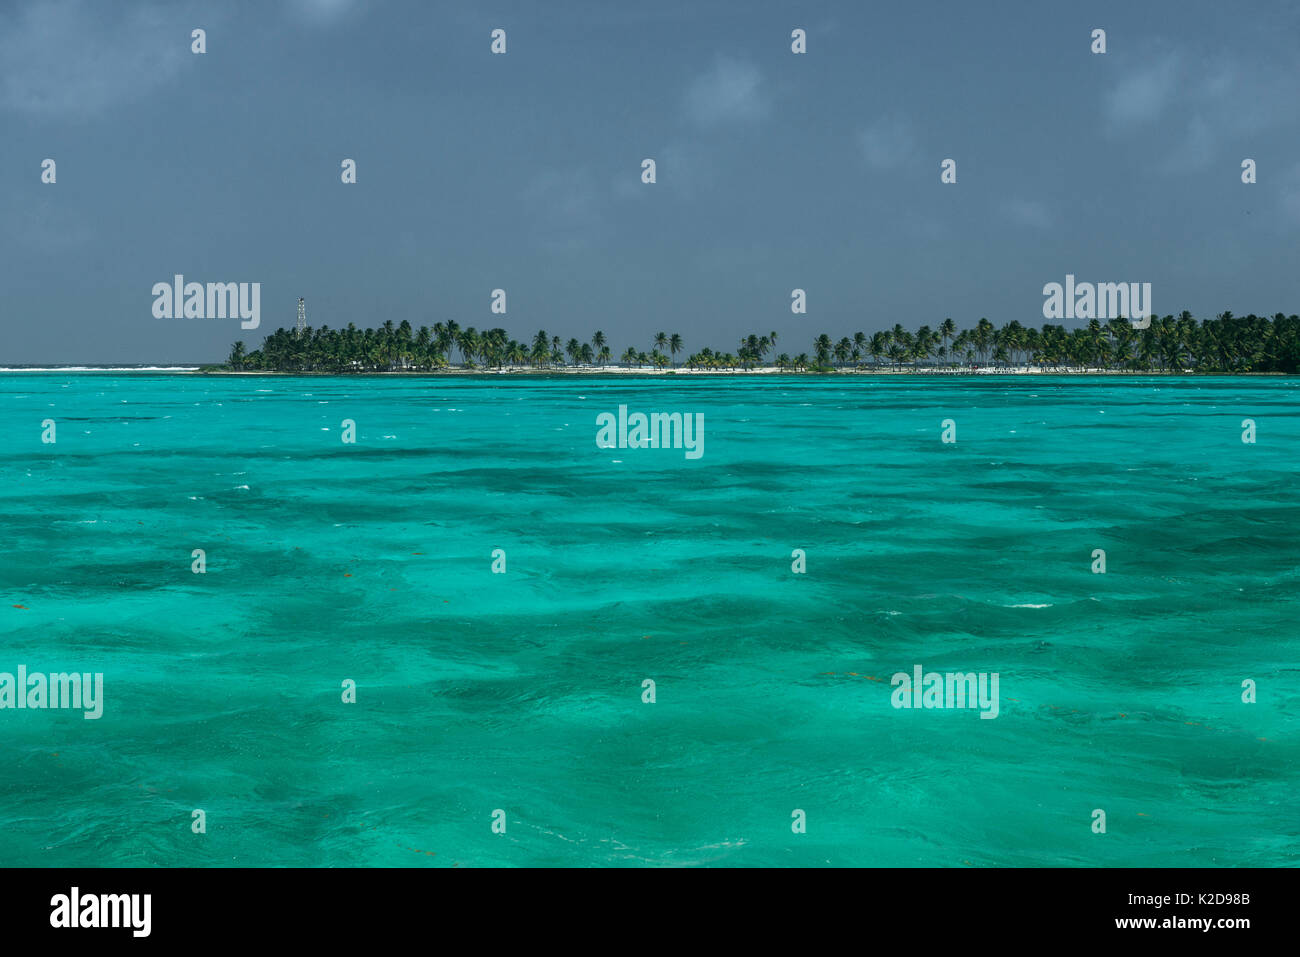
{"points": [[905, 343], [879, 345], [1033, 344], [404, 344], [451, 335], [389, 335], [842, 350], [539, 350], [422, 339], [675, 346], [822, 346], [982, 337], [921, 351], [469, 344]]}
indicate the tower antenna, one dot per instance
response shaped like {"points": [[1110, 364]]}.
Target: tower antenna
{"points": [[302, 315]]}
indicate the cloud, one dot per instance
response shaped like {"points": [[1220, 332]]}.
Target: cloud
{"points": [[564, 205], [681, 170], [1143, 95], [887, 143], [323, 11], [927, 228], [1025, 212], [1203, 108], [45, 224], [1290, 188], [1194, 149], [730, 91], [74, 58]]}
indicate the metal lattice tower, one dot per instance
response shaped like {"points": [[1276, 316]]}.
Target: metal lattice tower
{"points": [[302, 315]]}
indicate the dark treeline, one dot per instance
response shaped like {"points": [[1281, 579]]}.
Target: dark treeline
{"points": [[1224, 344]]}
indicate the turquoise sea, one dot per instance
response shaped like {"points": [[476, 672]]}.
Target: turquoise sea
{"points": [[522, 691]]}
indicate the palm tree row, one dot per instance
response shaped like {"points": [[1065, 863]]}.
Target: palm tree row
{"points": [[750, 353], [1226, 343], [402, 348]]}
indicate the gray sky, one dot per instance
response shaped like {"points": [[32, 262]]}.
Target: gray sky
{"points": [[523, 171]]}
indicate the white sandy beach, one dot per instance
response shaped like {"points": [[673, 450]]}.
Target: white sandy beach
{"points": [[759, 370]]}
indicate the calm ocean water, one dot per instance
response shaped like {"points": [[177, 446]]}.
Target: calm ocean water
{"points": [[523, 691]]}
